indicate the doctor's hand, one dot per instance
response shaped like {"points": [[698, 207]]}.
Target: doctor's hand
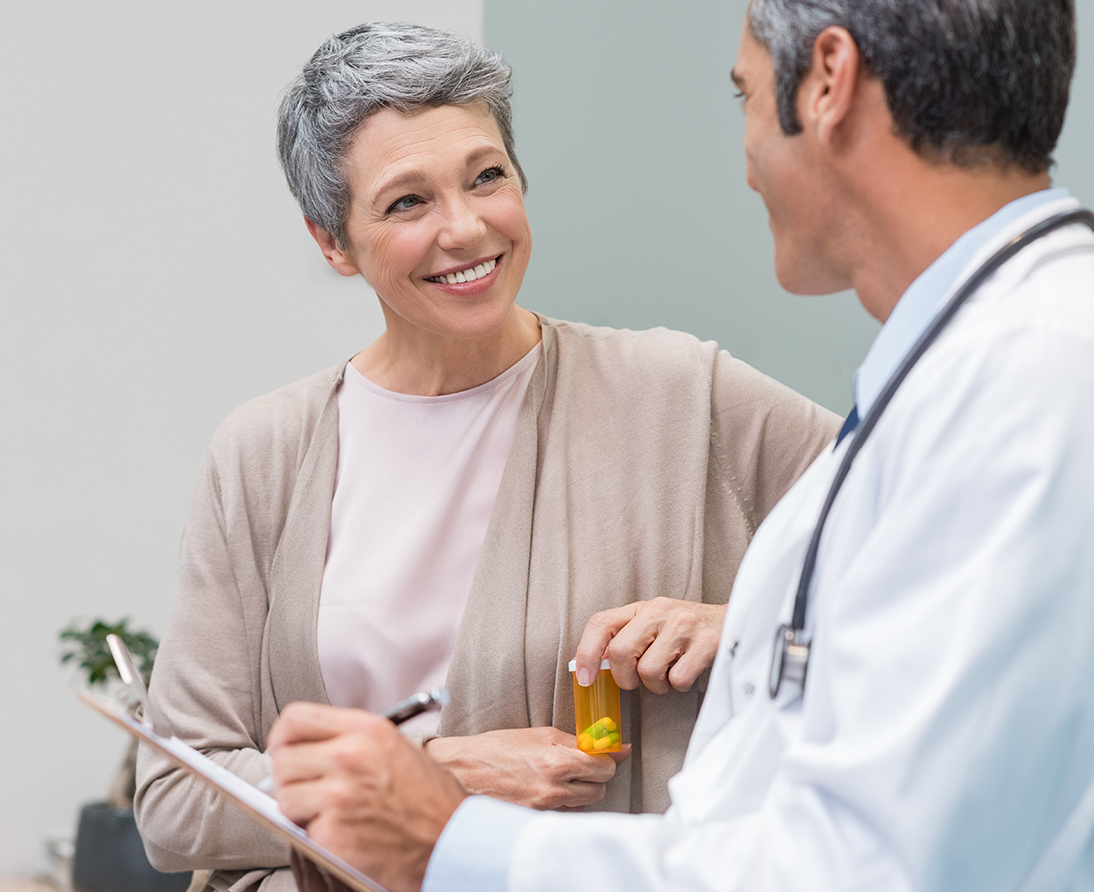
{"points": [[538, 767], [662, 643], [362, 790]]}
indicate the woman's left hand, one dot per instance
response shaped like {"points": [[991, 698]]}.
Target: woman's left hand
{"points": [[538, 767], [662, 643]]}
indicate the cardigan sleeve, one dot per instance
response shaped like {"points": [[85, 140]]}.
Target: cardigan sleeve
{"points": [[763, 435], [206, 681], [212, 677]]}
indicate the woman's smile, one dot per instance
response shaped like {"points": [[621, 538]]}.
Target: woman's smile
{"points": [[469, 279]]}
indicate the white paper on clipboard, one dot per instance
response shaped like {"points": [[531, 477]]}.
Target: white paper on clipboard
{"points": [[250, 799]]}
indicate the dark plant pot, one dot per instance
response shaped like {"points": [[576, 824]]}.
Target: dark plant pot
{"points": [[110, 855]]}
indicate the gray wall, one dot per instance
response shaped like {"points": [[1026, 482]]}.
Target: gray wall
{"points": [[631, 140], [154, 273], [1075, 154]]}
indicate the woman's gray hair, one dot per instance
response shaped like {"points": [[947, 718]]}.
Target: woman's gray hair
{"points": [[967, 81], [361, 71]]}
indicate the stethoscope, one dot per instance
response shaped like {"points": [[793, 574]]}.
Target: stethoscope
{"points": [[790, 661]]}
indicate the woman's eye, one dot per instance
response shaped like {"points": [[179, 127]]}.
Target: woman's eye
{"points": [[404, 204], [489, 175]]}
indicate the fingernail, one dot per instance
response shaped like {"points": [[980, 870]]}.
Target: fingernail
{"points": [[583, 678]]}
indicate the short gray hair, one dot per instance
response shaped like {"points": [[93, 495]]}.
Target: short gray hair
{"points": [[357, 73], [967, 81]]}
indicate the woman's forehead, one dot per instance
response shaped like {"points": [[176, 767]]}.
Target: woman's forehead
{"points": [[392, 145]]}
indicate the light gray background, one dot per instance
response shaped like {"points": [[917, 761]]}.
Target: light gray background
{"points": [[154, 273]]}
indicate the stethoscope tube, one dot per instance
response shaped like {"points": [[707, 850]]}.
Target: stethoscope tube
{"points": [[790, 659]]}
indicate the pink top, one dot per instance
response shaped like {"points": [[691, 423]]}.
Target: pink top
{"points": [[416, 484]]}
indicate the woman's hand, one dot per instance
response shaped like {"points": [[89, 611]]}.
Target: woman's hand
{"points": [[662, 643], [540, 767]]}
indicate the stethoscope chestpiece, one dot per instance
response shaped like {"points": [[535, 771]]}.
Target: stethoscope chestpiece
{"points": [[790, 659], [791, 656]]}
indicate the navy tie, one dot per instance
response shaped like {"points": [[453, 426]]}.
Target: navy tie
{"points": [[849, 425]]}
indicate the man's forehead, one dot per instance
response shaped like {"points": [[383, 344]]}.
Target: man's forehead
{"points": [[752, 60]]}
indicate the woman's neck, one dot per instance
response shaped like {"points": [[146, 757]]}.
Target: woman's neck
{"points": [[423, 365]]}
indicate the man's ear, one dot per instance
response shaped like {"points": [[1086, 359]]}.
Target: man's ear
{"points": [[328, 244], [831, 87]]}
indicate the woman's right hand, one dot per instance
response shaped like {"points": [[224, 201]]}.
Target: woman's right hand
{"points": [[538, 767]]}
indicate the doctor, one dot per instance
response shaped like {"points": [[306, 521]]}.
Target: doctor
{"points": [[944, 735]]}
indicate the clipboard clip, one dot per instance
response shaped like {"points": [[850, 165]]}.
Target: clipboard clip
{"points": [[136, 692]]}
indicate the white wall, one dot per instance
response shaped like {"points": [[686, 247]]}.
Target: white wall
{"points": [[154, 273]]}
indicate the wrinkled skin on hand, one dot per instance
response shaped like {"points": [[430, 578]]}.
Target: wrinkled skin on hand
{"points": [[538, 767], [361, 790], [662, 644]]}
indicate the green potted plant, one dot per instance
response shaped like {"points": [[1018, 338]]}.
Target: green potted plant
{"points": [[109, 855]]}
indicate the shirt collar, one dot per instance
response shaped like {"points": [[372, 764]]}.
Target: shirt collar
{"points": [[928, 293]]}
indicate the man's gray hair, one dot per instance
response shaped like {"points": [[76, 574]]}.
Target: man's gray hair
{"points": [[967, 81], [361, 71]]}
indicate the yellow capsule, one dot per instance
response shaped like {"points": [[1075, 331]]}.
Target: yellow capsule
{"points": [[608, 724], [602, 743], [585, 742]]}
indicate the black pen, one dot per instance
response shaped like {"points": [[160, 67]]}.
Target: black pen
{"points": [[402, 711], [421, 702]]}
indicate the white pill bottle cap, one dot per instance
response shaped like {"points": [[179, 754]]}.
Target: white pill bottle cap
{"points": [[604, 664]]}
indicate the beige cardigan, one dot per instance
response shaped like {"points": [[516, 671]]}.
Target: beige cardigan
{"points": [[642, 464]]}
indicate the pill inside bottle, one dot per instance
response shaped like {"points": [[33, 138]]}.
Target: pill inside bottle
{"points": [[596, 709]]}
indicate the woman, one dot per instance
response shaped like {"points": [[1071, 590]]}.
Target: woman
{"points": [[454, 503]]}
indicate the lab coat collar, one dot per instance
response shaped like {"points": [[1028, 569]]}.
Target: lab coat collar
{"points": [[927, 295]]}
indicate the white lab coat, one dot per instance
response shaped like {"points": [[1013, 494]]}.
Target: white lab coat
{"points": [[945, 740]]}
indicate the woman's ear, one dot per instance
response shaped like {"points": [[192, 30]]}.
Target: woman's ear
{"points": [[831, 87], [328, 244]]}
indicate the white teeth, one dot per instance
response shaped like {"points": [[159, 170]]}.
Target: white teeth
{"points": [[467, 275]]}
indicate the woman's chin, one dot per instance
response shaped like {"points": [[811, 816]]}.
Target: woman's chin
{"points": [[475, 325]]}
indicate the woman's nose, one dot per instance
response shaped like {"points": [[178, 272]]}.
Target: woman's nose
{"points": [[462, 226]]}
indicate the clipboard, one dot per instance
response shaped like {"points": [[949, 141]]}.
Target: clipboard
{"points": [[260, 806]]}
